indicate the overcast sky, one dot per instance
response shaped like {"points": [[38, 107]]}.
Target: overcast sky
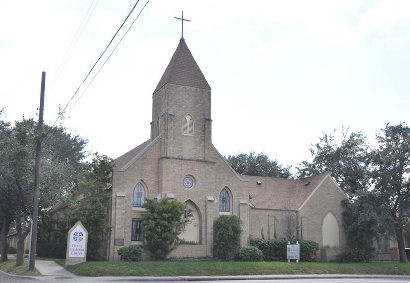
{"points": [[281, 72]]}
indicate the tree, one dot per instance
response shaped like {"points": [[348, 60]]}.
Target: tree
{"points": [[6, 191], [364, 220], [163, 223], [257, 165], [345, 156], [227, 237], [60, 163], [90, 203], [391, 173]]}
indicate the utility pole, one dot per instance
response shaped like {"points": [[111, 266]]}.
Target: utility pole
{"points": [[33, 243]]}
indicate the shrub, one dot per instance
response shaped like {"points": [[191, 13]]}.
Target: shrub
{"points": [[308, 250], [162, 225], [130, 253], [274, 250], [356, 255], [249, 253], [227, 237]]}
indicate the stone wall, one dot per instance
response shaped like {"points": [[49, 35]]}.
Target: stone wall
{"points": [[313, 212]]}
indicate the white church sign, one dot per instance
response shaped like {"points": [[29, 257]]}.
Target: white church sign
{"points": [[76, 244], [293, 252]]}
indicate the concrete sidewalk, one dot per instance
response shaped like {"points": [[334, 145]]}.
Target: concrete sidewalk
{"points": [[50, 268]]}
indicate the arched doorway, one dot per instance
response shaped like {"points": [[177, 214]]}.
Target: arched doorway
{"points": [[192, 232], [330, 231]]}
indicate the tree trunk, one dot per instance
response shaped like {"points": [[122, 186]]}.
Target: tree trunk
{"points": [[400, 243], [20, 234], [20, 242], [3, 237]]}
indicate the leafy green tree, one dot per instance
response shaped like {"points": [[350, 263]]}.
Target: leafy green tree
{"points": [[257, 165], [391, 161], [227, 237], [364, 220], [7, 200], [91, 201], [163, 223], [61, 161], [345, 156]]}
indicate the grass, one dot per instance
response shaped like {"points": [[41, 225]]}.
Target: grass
{"points": [[10, 267], [201, 268]]}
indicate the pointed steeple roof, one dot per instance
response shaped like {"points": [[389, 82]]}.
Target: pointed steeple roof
{"points": [[183, 70]]}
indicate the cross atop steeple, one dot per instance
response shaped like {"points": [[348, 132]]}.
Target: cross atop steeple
{"points": [[182, 22]]}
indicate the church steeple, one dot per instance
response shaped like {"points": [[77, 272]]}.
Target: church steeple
{"points": [[181, 108], [183, 70]]}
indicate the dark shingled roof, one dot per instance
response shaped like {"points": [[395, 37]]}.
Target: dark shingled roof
{"points": [[126, 157], [278, 193], [183, 70]]}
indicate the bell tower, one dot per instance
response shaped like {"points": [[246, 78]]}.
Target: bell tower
{"points": [[181, 108]]}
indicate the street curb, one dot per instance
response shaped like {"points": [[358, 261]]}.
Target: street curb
{"points": [[18, 276]]}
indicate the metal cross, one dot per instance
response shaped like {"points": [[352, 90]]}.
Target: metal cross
{"points": [[182, 22]]}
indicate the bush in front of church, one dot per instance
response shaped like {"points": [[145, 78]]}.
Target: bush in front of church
{"points": [[227, 237], [275, 250], [308, 250], [163, 223], [249, 253], [130, 253]]}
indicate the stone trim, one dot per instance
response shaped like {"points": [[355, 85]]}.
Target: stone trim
{"points": [[229, 166], [151, 144]]}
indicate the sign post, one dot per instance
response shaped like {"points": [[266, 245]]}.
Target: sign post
{"points": [[77, 239], [293, 252]]}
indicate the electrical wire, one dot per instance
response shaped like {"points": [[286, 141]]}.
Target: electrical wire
{"points": [[71, 47], [110, 54], [96, 62]]}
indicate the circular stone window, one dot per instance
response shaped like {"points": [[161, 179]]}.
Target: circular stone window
{"points": [[188, 182]]}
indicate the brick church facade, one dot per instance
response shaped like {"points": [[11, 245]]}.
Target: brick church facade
{"points": [[180, 162]]}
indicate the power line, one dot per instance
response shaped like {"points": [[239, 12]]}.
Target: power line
{"points": [[75, 39], [110, 54], [92, 68]]}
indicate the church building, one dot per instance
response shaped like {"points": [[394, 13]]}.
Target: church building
{"points": [[179, 161]]}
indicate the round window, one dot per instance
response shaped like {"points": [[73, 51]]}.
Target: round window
{"points": [[188, 182]]}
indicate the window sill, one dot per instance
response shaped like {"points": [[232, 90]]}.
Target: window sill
{"points": [[137, 208], [225, 213]]}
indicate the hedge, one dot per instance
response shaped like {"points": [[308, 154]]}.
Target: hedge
{"points": [[249, 253], [275, 250], [130, 253], [227, 237]]}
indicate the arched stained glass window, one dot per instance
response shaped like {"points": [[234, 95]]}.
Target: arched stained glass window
{"points": [[139, 194], [188, 126], [224, 201]]}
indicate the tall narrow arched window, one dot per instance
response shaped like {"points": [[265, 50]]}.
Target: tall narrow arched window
{"points": [[139, 194], [188, 126], [224, 201]]}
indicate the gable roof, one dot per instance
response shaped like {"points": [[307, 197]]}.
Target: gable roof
{"points": [[124, 161], [183, 70], [279, 193]]}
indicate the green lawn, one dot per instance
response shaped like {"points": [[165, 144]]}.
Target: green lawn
{"points": [[10, 267], [200, 268]]}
